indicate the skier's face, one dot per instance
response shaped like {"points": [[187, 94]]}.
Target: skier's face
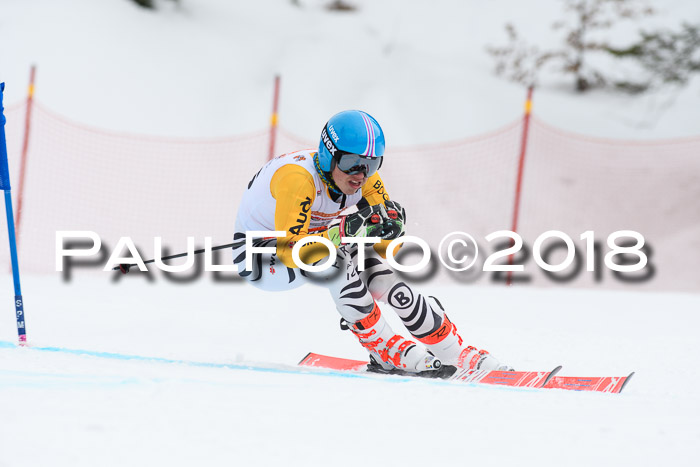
{"points": [[348, 184]]}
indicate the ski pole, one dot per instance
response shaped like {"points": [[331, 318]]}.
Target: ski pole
{"points": [[124, 268], [5, 186]]}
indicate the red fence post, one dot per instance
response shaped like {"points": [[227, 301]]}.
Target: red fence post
{"points": [[273, 120], [25, 148], [521, 165]]}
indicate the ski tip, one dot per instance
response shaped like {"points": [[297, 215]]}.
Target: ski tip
{"points": [[304, 359], [627, 380], [550, 376]]}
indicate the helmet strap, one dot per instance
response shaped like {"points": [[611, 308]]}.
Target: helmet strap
{"points": [[327, 178]]}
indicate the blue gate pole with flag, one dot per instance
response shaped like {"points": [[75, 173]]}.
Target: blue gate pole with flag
{"points": [[5, 186]]}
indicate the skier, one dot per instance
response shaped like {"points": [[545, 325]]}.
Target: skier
{"points": [[308, 193]]}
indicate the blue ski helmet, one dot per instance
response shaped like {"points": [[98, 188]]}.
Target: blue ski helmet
{"points": [[350, 132]]}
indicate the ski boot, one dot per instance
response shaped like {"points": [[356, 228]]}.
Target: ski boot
{"points": [[390, 352], [447, 345]]}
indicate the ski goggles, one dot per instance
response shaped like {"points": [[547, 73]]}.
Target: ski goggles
{"points": [[352, 164]]}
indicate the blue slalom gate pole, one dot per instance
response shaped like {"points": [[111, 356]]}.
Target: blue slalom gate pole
{"points": [[5, 186]]}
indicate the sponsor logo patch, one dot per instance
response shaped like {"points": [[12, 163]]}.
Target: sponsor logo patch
{"points": [[305, 207], [380, 190], [401, 296], [334, 135], [328, 142]]}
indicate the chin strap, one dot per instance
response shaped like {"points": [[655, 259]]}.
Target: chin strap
{"points": [[327, 179]]}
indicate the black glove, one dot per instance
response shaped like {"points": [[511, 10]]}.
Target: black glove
{"points": [[394, 221], [367, 222]]}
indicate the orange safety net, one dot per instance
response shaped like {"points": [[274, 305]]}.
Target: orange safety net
{"points": [[118, 184]]}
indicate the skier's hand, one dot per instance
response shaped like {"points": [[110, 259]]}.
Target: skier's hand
{"points": [[367, 222], [393, 223]]}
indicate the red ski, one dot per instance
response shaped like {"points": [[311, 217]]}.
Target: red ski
{"points": [[614, 384], [527, 379]]}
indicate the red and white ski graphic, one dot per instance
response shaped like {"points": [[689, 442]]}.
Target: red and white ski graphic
{"points": [[613, 384], [526, 379], [520, 379]]}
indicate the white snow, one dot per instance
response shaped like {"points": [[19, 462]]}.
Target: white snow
{"points": [[206, 69], [59, 408]]}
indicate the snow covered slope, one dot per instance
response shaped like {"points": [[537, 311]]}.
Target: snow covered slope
{"points": [[57, 408]]}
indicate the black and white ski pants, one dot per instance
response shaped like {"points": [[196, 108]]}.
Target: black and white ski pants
{"points": [[353, 292]]}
